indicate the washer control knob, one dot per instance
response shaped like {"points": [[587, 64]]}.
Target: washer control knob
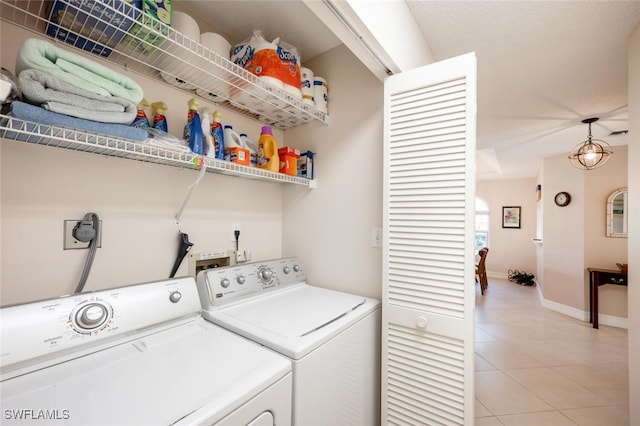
{"points": [[296, 268], [241, 279], [265, 274], [91, 316], [225, 282], [286, 269], [175, 296]]}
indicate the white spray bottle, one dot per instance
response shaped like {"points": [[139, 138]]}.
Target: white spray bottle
{"points": [[205, 121]]}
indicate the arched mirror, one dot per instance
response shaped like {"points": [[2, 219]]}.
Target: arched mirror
{"points": [[617, 217]]}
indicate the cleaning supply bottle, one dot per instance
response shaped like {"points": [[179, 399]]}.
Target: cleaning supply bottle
{"points": [[193, 130], [141, 120], [207, 139], [268, 150], [231, 140], [159, 120], [252, 147], [234, 149], [217, 136]]}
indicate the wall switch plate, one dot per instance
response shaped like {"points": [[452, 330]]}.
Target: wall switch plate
{"points": [[376, 237], [70, 243]]}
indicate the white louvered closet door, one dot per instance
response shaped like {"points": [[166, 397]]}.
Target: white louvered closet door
{"points": [[428, 259]]}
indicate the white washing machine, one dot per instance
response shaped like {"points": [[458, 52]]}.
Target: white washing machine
{"points": [[331, 337], [137, 355]]}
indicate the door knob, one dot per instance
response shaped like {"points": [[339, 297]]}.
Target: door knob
{"points": [[421, 322]]}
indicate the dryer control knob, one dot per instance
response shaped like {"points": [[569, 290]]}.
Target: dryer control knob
{"points": [[265, 274], [175, 296], [286, 269], [241, 279], [296, 268], [91, 316], [225, 282]]}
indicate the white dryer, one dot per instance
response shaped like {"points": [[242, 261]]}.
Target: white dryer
{"points": [[137, 355], [331, 337]]}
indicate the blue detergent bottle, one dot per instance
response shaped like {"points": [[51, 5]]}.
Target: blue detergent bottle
{"points": [[193, 130], [217, 136], [159, 120], [141, 121]]}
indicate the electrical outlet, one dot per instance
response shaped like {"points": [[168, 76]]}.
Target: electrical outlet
{"points": [[234, 227], [70, 242], [376, 237], [243, 256]]}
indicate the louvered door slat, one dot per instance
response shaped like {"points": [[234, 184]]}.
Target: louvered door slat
{"points": [[428, 270]]}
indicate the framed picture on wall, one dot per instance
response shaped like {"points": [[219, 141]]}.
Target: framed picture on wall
{"points": [[511, 217]]}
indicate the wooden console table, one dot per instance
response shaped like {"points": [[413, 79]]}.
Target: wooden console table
{"points": [[598, 277]]}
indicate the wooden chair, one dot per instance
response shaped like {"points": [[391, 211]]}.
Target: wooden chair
{"points": [[481, 270]]}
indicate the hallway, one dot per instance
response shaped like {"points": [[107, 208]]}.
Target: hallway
{"points": [[538, 367]]}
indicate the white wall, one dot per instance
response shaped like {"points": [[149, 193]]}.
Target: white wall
{"points": [[574, 236], [634, 226], [510, 248], [563, 236], [602, 251], [137, 202], [330, 227]]}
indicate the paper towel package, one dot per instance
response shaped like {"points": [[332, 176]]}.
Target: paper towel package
{"points": [[273, 61], [77, 21]]}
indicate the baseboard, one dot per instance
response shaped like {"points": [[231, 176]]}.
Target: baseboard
{"points": [[613, 321], [581, 315], [565, 310]]}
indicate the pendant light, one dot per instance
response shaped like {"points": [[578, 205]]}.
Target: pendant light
{"points": [[592, 153]]}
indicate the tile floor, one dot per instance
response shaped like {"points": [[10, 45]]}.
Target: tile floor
{"points": [[538, 367]]}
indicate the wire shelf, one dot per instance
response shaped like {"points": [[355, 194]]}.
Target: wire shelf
{"points": [[76, 140], [123, 35]]}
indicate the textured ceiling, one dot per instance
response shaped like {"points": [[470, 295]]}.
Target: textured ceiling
{"points": [[542, 66]]}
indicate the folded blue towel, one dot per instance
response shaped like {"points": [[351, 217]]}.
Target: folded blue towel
{"points": [[39, 115]]}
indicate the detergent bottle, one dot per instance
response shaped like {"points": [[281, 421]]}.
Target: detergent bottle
{"points": [[252, 147], [217, 136], [234, 149], [207, 139], [141, 120], [159, 120], [193, 130], [268, 150]]}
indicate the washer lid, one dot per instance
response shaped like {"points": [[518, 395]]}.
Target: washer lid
{"points": [[296, 320], [297, 312]]}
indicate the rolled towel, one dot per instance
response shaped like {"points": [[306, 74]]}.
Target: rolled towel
{"points": [[36, 114], [75, 69], [53, 94]]}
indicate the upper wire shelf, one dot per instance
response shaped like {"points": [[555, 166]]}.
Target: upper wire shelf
{"points": [[156, 50], [95, 143]]}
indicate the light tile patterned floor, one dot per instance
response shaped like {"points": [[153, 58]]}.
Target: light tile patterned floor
{"points": [[538, 367]]}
